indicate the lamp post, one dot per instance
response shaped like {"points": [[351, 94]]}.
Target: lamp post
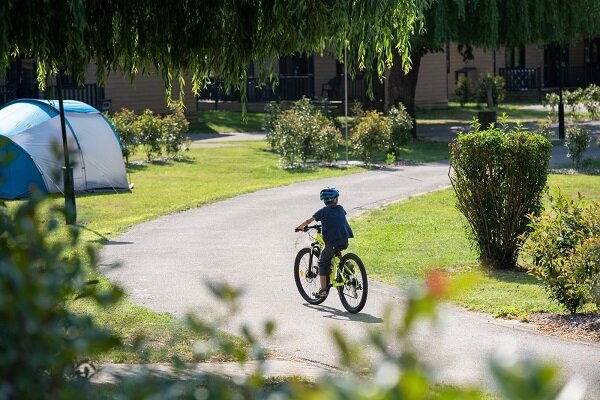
{"points": [[68, 187], [346, 98], [561, 106]]}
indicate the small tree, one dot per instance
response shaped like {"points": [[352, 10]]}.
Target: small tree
{"points": [[128, 130], [591, 100], [401, 124], [151, 136], [499, 178], [551, 100], [463, 90], [572, 100], [273, 110], [578, 140], [371, 133], [175, 126], [490, 89]]}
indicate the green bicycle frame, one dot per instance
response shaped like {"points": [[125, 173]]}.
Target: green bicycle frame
{"points": [[335, 278]]}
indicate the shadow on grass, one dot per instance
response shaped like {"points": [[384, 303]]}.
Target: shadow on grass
{"points": [[520, 277], [101, 239], [99, 193], [143, 164]]}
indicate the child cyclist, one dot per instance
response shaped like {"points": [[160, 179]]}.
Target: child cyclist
{"points": [[335, 229]]}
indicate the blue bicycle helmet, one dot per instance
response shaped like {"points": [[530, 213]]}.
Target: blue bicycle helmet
{"points": [[329, 194]]}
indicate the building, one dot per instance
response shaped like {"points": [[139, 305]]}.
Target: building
{"points": [[529, 72]]}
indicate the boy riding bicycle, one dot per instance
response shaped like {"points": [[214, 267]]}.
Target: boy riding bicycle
{"points": [[336, 232]]}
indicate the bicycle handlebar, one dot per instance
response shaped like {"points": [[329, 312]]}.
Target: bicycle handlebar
{"points": [[308, 227]]}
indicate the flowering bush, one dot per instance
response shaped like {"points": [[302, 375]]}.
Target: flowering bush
{"points": [[371, 133], [578, 140], [302, 133], [565, 247], [401, 124], [151, 134], [175, 126], [125, 123], [552, 100], [490, 82]]}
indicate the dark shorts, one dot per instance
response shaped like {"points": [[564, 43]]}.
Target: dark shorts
{"points": [[325, 258]]}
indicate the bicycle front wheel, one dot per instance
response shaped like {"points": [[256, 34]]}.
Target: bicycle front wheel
{"points": [[353, 294], [306, 275]]}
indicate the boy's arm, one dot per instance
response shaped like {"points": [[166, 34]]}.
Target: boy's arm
{"points": [[305, 223]]}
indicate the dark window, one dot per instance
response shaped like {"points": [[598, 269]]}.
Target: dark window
{"points": [[68, 80], [296, 65], [515, 57], [250, 70], [592, 51]]}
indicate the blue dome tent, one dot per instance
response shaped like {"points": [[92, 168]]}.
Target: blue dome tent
{"points": [[30, 138]]}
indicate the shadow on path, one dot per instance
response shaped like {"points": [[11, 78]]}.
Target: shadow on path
{"points": [[334, 313]]}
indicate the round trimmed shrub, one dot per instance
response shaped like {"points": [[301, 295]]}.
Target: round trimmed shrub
{"points": [[499, 178]]}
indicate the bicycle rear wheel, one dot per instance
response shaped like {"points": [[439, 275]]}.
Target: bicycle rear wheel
{"points": [[353, 294], [306, 275]]}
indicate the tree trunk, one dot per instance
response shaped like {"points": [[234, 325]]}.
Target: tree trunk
{"points": [[402, 87]]}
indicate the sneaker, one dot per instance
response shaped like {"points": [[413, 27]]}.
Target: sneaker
{"points": [[321, 294]]}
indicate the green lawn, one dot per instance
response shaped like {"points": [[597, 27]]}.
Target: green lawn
{"points": [[414, 151], [226, 122], [402, 241], [454, 113]]}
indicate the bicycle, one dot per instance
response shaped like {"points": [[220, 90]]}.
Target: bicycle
{"points": [[348, 274]]}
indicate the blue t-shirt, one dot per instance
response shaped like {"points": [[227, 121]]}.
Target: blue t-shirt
{"points": [[336, 230]]}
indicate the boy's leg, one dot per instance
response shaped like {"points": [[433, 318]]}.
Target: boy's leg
{"points": [[325, 264]]}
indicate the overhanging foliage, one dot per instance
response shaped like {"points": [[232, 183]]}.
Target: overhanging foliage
{"points": [[206, 38]]}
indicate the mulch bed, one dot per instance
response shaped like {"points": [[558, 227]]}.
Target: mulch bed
{"points": [[584, 326]]}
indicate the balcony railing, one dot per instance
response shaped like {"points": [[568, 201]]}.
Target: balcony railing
{"points": [[7, 94], [581, 76], [521, 79], [288, 88], [91, 94]]}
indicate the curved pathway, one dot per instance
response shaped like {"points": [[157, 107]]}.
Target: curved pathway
{"points": [[248, 241]]}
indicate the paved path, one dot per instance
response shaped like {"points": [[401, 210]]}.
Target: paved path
{"points": [[249, 241]]}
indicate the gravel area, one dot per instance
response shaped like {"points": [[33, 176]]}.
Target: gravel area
{"points": [[585, 326], [572, 171]]}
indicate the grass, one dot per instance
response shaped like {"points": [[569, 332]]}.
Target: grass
{"points": [[401, 242], [414, 151], [457, 114], [226, 122], [206, 176]]}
